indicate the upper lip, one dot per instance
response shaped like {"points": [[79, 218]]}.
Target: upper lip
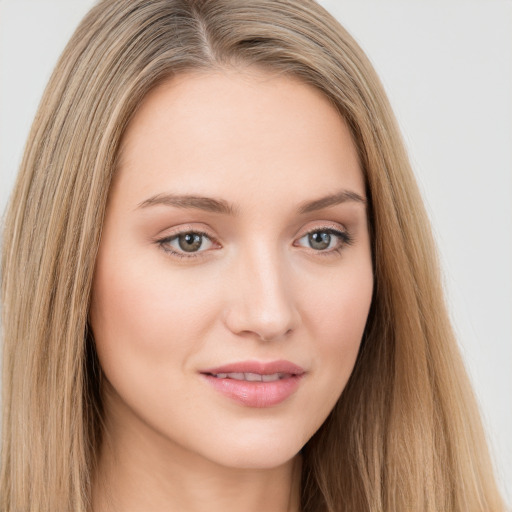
{"points": [[258, 367]]}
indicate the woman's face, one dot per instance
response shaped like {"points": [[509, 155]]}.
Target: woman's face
{"points": [[234, 275]]}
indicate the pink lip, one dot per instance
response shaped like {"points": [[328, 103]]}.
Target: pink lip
{"points": [[258, 367], [256, 394]]}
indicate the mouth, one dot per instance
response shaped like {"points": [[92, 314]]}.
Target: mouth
{"points": [[252, 377], [256, 384]]}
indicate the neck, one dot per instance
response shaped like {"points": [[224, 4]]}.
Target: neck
{"points": [[138, 469]]}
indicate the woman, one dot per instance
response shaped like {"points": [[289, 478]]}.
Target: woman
{"points": [[215, 193]]}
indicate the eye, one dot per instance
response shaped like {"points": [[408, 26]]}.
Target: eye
{"points": [[186, 243], [325, 240]]}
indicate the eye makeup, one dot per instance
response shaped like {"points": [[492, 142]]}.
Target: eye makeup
{"points": [[326, 241], [196, 240], [192, 243]]}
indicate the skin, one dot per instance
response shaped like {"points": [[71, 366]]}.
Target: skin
{"points": [[256, 289]]}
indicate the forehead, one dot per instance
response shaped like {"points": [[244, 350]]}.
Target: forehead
{"points": [[249, 129]]}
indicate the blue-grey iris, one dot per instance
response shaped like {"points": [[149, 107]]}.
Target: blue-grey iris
{"points": [[319, 240]]}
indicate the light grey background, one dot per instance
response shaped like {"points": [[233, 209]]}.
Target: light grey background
{"points": [[447, 67]]}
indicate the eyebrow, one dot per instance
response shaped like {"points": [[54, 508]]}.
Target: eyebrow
{"points": [[221, 206], [208, 204], [343, 196]]}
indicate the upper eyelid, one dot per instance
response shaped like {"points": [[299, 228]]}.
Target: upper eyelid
{"points": [[187, 229], [334, 226], [172, 236], [344, 234], [175, 235], [172, 232]]}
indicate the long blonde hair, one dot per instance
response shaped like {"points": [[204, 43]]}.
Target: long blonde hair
{"points": [[405, 434]]}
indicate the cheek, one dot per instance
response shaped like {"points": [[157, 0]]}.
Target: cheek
{"points": [[142, 317], [338, 310], [337, 318]]}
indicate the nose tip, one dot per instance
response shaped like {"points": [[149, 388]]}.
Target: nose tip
{"points": [[266, 322], [263, 304]]}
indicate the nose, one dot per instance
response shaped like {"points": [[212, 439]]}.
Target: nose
{"points": [[261, 300]]}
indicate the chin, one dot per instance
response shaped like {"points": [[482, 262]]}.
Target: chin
{"points": [[257, 457], [266, 449]]}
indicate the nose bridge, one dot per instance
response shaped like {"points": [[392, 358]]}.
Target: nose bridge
{"points": [[263, 303]]}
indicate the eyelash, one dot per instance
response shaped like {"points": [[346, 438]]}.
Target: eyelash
{"points": [[162, 243], [345, 240]]}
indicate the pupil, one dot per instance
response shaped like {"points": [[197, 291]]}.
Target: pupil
{"points": [[190, 242], [320, 240]]}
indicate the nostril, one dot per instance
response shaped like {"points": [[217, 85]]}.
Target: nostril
{"points": [[270, 338]]}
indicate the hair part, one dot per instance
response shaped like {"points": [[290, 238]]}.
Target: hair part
{"points": [[405, 434]]}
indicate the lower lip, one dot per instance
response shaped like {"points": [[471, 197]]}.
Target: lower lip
{"points": [[256, 394]]}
